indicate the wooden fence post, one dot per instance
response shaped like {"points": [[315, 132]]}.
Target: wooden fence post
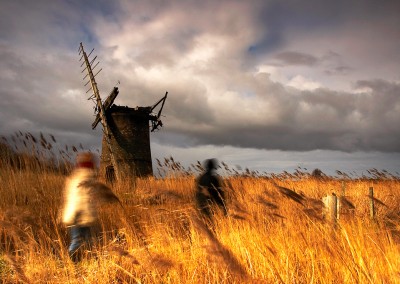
{"points": [[343, 195], [331, 207], [372, 206], [343, 188]]}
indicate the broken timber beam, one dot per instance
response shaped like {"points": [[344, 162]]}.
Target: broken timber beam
{"points": [[107, 104]]}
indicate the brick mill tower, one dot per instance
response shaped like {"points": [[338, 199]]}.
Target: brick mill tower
{"points": [[126, 131]]}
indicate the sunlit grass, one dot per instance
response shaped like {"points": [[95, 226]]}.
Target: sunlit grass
{"points": [[271, 235]]}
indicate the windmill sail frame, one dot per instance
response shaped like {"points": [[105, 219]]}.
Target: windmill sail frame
{"points": [[99, 106], [126, 132]]}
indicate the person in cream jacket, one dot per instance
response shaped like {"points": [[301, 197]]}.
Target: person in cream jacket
{"points": [[79, 212]]}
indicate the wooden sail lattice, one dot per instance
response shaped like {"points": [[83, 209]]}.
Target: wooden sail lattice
{"points": [[100, 108]]}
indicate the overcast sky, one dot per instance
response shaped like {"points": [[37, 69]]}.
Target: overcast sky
{"points": [[268, 85]]}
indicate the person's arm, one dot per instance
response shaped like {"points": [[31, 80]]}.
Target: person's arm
{"points": [[70, 203], [218, 192], [221, 195]]}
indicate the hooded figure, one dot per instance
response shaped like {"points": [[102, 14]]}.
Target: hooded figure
{"points": [[79, 212], [209, 190]]}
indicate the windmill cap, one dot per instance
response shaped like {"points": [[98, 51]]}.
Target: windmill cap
{"points": [[85, 160]]}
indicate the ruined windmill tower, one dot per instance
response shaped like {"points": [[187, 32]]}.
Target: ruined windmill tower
{"points": [[126, 132]]}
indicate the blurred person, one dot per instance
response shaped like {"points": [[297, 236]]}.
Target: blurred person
{"points": [[209, 192], [79, 213]]}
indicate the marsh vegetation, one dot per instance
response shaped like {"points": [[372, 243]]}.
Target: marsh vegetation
{"points": [[274, 232]]}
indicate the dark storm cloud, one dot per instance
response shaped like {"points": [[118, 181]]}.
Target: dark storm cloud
{"points": [[280, 16], [338, 70], [296, 58], [34, 90], [38, 93], [320, 119], [209, 56]]}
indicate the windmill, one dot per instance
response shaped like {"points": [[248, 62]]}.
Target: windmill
{"points": [[126, 133]]}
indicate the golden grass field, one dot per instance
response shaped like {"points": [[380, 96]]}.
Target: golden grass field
{"points": [[269, 235]]}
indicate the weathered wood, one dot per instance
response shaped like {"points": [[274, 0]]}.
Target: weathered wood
{"points": [[102, 113], [372, 205], [107, 104], [156, 122], [343, 188], [331, 207]]}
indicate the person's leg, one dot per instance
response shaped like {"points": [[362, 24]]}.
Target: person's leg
{"points": [[86, 235], [203, 205], [76, 240], [79, 236]]}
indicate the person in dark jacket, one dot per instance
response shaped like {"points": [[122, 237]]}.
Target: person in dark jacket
{"points": [[209, 193]]}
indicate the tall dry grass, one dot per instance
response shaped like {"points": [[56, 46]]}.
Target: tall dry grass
{"points": [[274, 233]]}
